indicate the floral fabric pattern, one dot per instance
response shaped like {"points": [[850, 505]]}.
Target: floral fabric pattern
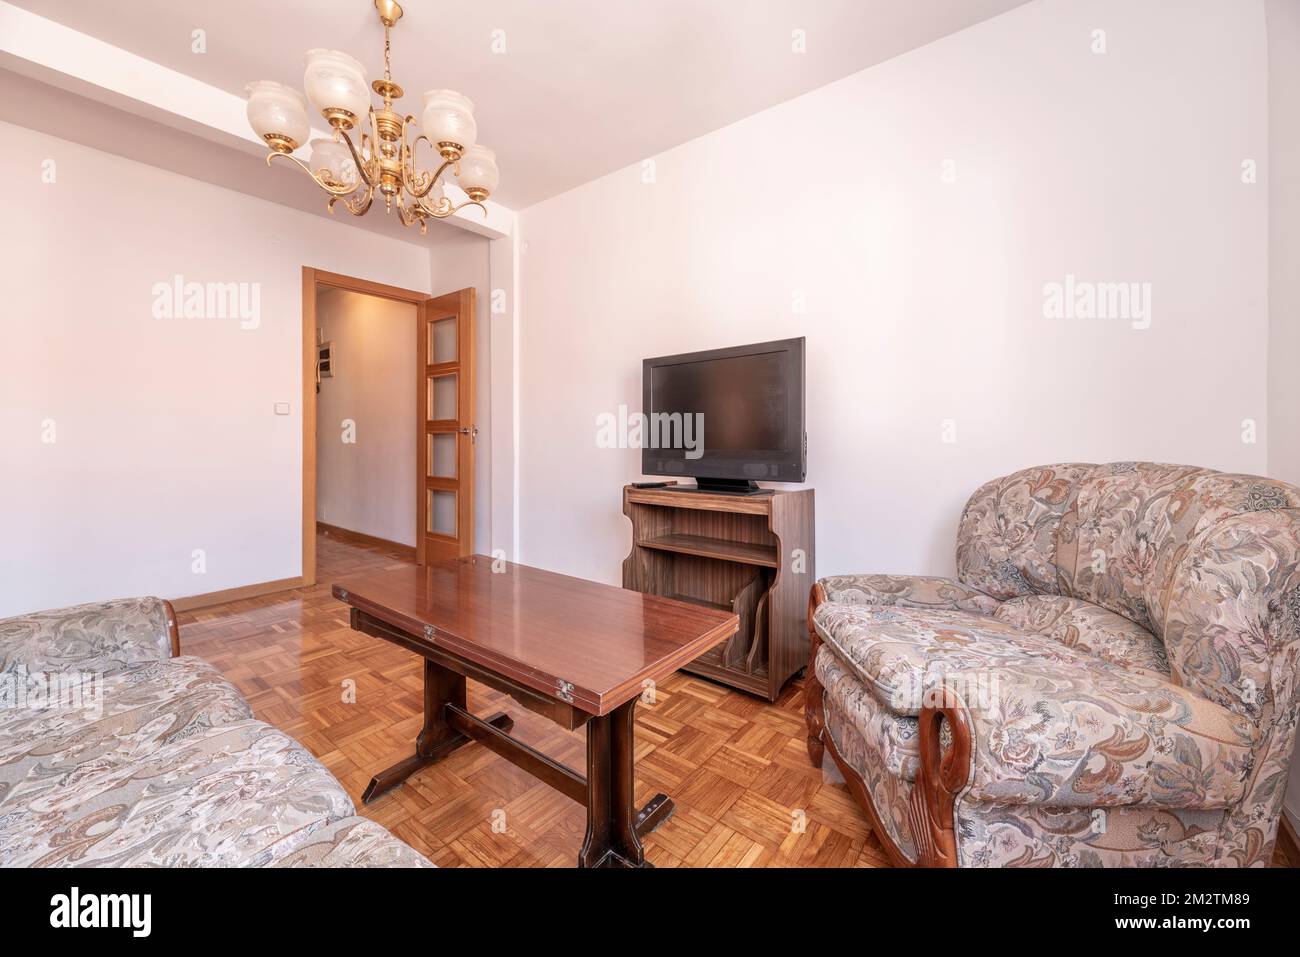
{"points": [[995, 835], [1085, 735], [1142, 662], [1006, 541], [162, 765], [890, 793], [1090, 628], [213, 799], [907, 591], [901, 652], [351, 842], [97, 637], [892, 737], [144, 706], [1050, 724]]}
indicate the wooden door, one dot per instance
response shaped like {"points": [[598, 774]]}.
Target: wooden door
{"points": [[447, 435]]}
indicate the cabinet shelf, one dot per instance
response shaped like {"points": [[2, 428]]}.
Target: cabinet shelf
{"points": [[702, 602], [725, 551], [720, 548]]}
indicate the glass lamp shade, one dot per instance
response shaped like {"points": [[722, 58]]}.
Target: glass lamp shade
{"points": [[478, 172], [336, 85], [333, 162], [449, 118], [278, 114]]}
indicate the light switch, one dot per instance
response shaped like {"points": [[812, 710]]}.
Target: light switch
{"points": [[282, 408]]}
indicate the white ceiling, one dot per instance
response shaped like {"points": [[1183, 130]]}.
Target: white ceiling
{"points": [[585, 87]]}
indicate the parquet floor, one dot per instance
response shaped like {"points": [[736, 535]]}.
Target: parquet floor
{"points": [[736, 766]]}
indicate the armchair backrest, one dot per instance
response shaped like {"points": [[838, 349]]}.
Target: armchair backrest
{"points": [[1206, 560]]}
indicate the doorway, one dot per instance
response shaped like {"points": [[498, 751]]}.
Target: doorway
{"points": [[352, 337]]}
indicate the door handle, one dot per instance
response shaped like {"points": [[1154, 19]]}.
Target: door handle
{"points": [[471, 431]]}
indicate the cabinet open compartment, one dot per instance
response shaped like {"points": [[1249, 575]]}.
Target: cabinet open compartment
{"points": [[748, 554]]}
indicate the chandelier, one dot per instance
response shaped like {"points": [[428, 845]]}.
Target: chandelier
{"points": [[384, 160]]}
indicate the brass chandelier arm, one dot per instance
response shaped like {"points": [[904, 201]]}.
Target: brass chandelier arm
{"points": [[358, 204], [439, 210], [358, 200], [445, 208], [409, 215], [425, 181], [470, 202], [362, 168], [332, 189]]}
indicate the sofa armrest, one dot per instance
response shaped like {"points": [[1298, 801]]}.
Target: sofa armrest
{"points": [[908, 591], [1076, 734], [99, 637]]}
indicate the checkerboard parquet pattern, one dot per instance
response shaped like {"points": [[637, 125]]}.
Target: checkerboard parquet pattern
{"points": [[735, 765]]}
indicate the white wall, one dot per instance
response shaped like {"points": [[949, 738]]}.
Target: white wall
{"points": [[1282, 175], [922, 300], [166, 439], [504, 320], [365, 416]]}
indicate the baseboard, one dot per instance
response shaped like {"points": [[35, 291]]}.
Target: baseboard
{"points": [[235, 594], [361, 538]]}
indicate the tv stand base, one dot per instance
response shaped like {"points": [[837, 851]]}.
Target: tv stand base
{"points": [[722, 486]]}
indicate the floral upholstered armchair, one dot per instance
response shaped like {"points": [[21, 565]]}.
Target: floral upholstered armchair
{"points": [[1112, 680]]}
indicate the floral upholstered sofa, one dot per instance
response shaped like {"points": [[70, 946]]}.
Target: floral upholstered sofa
{"points": [[1111, 681], [114, 751]]}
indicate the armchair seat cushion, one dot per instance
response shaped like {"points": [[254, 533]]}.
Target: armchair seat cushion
{"points": [[892, 649], [1088, 627], [1050, 724]]}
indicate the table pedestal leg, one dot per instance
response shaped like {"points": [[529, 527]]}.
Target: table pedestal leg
{"points": [[614, 828], [437, 738]]}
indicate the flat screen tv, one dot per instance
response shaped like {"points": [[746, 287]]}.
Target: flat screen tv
{"points": [[727, 417]]}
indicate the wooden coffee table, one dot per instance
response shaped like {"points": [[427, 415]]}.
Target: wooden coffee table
{"points": [[575, 651]]}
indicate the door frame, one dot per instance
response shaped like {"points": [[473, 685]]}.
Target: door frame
{"points": [[312, 280]]}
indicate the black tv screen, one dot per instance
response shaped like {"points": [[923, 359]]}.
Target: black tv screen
{"points": [[726, 417]]}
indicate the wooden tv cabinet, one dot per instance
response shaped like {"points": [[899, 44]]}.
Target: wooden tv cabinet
{"points": [[751, 554]]}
